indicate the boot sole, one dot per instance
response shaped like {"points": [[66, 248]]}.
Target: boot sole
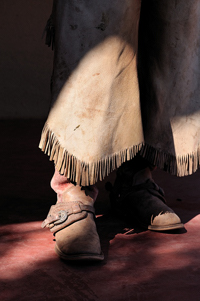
{"points": [[79, 257], [131, 216], [166, 228]]}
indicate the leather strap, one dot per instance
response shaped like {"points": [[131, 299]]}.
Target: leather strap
{"points": [[63, 214], [149, 185]]}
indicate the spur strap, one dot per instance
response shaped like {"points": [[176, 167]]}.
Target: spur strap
{"points": [[63, 214]]}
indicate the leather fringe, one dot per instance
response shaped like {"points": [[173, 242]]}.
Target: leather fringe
{"points": [[85, 174], [82, 173], [176, 165]]}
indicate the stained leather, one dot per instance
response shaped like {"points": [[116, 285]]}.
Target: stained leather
{"points": [[109, 96]]}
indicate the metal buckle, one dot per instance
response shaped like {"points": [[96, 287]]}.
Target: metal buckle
{"points": [[62, 215]]}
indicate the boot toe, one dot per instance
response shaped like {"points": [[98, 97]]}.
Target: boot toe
{"points": [[165, 221], [79, 241]]}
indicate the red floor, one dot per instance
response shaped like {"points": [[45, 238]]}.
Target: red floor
{"points": [[139, 265]]}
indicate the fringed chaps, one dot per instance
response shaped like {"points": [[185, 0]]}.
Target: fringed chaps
{"points": [[126, 78]]}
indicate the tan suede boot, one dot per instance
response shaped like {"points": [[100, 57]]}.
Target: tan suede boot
{"points": [[136, 195], [72, 222]]}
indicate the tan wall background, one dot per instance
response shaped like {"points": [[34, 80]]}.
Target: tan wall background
{"points": [[25, 62]]}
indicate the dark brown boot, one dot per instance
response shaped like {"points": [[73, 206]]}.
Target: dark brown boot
{"points": [[136, 195]]}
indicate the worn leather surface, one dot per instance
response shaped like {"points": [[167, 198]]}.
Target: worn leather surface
{"points": [[72, 222], [142, 200], [64, 214], [96, 109], [169, 71], [100, 108]]}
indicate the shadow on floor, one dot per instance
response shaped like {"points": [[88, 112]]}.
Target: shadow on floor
{"points": [[139, 264]]}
